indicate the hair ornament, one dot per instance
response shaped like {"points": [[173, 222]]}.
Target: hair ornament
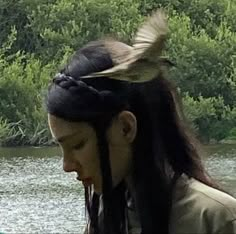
{"points": [[143, 62]]}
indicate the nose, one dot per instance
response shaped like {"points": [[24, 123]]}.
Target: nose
{"points": [[69, 166]]}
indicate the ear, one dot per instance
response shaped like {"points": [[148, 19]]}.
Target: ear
{"points": [[128, 125]]}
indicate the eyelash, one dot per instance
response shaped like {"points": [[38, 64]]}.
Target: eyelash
{"points": [[80, 145]]}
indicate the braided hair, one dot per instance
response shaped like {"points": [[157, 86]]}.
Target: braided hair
{"points": [[91, 102], [161, 139]]}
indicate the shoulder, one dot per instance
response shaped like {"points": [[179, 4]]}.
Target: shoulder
{"points": [[202, 209], [212, 199]]}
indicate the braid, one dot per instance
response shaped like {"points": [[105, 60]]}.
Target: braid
{"points": [[73, 85], [104, 101]]}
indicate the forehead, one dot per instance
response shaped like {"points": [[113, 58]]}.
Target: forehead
{"points": [[61, 128]]}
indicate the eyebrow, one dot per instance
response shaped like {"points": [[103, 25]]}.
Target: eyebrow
{"points": [[64, 138]]}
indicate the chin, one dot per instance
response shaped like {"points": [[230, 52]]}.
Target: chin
{"points": [[97, 189]]}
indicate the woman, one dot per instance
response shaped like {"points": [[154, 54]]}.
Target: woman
{"points": [[126, 141]]}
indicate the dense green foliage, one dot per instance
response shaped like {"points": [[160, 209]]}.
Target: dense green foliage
{"points": [[37, 36]]}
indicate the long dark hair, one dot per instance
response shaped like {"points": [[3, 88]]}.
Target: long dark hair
{"points": [[162, 149]]}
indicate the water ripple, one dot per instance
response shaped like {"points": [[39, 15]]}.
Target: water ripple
{"points": [[36, 196]]}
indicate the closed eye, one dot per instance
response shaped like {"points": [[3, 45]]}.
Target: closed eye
{"points": [[80, 145]]}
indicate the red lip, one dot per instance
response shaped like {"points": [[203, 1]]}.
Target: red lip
{"points": [[86, 181]]}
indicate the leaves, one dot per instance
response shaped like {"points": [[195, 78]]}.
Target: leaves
{"points": [[37, 36]]}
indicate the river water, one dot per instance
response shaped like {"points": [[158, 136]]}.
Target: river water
{"points": [[36, 196]]}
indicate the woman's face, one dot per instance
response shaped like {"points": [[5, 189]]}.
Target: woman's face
{"points": [[78, 143]]}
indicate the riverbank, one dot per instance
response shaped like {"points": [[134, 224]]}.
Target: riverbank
{"points": [[50, 143]]}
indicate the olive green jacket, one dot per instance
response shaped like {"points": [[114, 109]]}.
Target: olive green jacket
{"points": [[200, 209], [197, 209]]}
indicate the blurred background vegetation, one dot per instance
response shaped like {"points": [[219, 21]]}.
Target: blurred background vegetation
{"points": [[38, 36]]}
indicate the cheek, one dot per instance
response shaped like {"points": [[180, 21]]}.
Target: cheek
{"points": [[88, 158], [120, 156], [120, 160], [91, 166]]}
